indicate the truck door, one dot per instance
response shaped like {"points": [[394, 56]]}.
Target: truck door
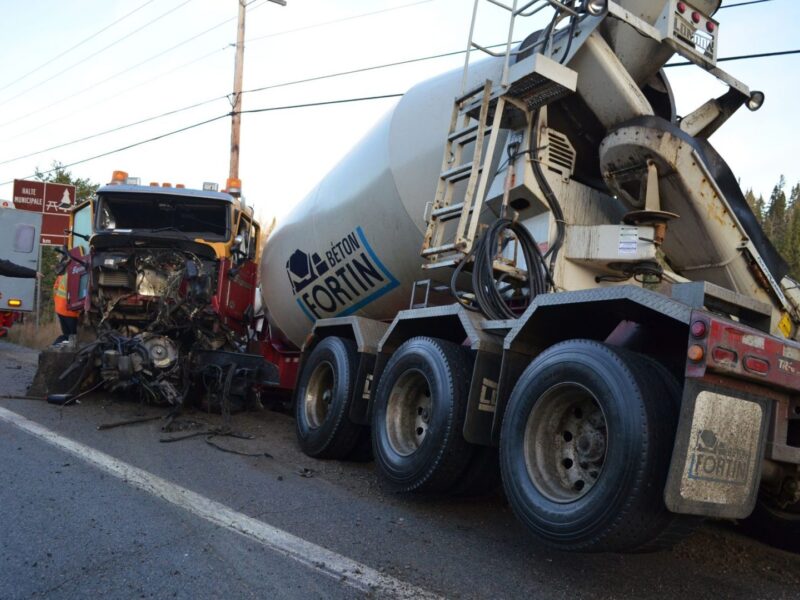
{"points": [[19, 243], [240, 287], [78, 248]]}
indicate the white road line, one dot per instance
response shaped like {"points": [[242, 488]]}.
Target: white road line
{"points": [[315, 557]]}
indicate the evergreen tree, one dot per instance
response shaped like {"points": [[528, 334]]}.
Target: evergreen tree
{"points": [[775, 225], [792, 254], [752, 202]]}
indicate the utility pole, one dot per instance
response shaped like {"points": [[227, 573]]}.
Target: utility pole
{"points": [[236, 117]]}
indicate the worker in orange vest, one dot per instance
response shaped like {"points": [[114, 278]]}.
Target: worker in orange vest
{"points": [[68, 319]]}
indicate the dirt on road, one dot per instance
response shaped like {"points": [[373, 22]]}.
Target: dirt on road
{"points": [[457, 547]]}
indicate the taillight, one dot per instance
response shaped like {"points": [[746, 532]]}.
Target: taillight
{"points": [[723, 355], [756, 365], [696, 17], [710, 26], [681, 7], [699, 329], [695, 353]]}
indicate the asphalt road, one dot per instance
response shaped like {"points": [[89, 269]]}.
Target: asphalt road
{"points": [[72, 529]]}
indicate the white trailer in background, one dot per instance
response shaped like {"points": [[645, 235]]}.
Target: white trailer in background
{"points": [[19, 243]]}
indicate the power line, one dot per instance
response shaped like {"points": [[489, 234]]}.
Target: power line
{"points": [[103, 49], [79, 44], [310, 79], [342, 20], [85, 107], [210, 100], [129, 146], [744, 3], [119, 73], [115, 129], [206, 122], [361, 70], [741, 57], [324, 103]]}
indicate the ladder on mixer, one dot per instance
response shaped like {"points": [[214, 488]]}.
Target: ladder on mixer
{"points": [[478, 116]]}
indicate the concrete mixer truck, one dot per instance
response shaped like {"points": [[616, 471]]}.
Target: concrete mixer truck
{"points": [[577, 291]]}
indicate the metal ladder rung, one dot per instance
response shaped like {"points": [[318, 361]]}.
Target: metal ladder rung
{"points": [[447, 213], [446, 263], [458, 173], [469, 94], [439, 249], [468, 134]]}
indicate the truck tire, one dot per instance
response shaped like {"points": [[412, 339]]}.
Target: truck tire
{"points": [[773, 525], [418, 416], [322, 400], [585, 448], [668, 528]]}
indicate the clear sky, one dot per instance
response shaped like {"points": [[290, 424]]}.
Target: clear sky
{"points": [[165, 55]]}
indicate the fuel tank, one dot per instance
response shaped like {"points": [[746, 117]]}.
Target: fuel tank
{"points": [[352, 246]]}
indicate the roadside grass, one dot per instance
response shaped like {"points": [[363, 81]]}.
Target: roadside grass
{"points": [[27, 334]]}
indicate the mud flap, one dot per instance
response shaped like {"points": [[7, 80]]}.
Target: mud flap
{"points": [[716, 461]]}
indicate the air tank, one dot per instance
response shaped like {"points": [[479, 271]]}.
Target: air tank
{"points": [[352, 246]]}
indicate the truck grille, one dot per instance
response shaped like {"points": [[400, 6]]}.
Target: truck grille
{"points": [[115, 279]]}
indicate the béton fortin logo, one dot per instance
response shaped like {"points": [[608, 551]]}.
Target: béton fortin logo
{"points": [[714, 460], [340, 280]]}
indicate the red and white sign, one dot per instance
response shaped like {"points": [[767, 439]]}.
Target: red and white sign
{"points": [[53, 200]]}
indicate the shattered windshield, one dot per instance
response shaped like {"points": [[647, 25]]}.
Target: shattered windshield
{"points": [[196, 217]]}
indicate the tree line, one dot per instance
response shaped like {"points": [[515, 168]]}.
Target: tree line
{"points": [[780, 218]]}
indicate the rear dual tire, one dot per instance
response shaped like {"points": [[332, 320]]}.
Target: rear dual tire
{"points": [[418, 417], [585, 449]]}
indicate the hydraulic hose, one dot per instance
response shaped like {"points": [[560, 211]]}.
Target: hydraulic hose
{"points": [[488, 297]]}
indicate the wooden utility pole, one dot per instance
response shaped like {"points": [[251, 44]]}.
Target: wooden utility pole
{"points": [[238, 71], [236, 117]]}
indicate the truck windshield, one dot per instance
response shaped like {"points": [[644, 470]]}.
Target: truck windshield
{"points": [[146, 213]]}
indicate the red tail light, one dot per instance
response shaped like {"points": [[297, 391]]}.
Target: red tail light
{"points": [[724, 355], [756, 365], [699, 329]]}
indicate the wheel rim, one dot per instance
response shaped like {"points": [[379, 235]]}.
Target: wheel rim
{"points": [[408, 413], [565, 442], [319, 394]]}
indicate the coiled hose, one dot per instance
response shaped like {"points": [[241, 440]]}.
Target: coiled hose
{"points": [[488, 296]]}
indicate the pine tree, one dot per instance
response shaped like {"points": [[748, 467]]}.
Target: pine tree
{"points": [[792, 254], [775, 225], [752, 202]]}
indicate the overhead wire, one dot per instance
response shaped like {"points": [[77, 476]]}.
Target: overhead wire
{"points": [[78, 45], [297, 82], [158, 55], [254, 90], [119, 73], [310, 79], [206, 122], [113, 130], [741, 57], [103, 49], [744, 3], [341, 20], [85, 107]]}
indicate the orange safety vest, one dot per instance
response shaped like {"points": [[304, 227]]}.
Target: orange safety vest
{"points": [[60, 297]]}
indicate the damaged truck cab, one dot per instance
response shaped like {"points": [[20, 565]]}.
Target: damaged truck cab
{"points": [[166, 277]]}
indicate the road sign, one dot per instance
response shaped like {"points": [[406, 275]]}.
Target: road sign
{"points": [[53, 201]]}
